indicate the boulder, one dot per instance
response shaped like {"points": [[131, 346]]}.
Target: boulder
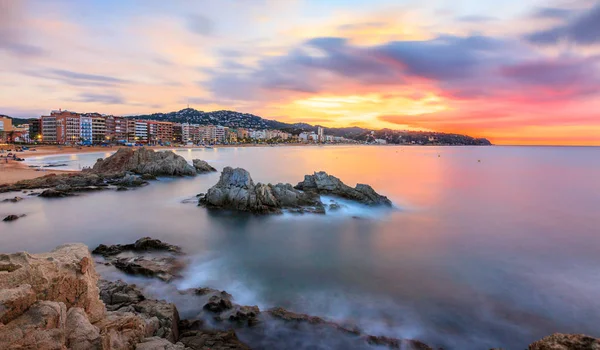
{"points": [[202, 166], [218, 304], [161, 318], [144, 161], [121, 330], [212, 340], [54, 193], [41, 327], [322, 183], [80, 333], [65, 275], [559, 341], [14, 301], [394, 343]]}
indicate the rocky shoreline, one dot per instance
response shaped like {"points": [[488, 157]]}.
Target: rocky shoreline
{"points": [[56, 300]]}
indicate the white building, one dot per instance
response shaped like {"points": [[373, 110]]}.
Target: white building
{"points": [[141, 131], [320, 134]]}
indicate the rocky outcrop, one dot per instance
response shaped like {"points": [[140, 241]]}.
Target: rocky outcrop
{"points": [[156, 343], [161, 318], [51, 301], [144, 161], [164, 263], [322, 183], [202, 166], [236, 190], [560, 341]]}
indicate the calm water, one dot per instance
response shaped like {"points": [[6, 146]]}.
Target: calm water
{"points": [[476, 255]]}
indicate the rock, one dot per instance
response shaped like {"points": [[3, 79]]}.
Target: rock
{"points": [[218, 304], [156, 343], [161, 318], [69, 181], [560, 341], [12, 200], [236, 190], [41, 327], [119, 294], [165, 268], [80, 333], [394, 343], [243, 315], [55, 276], [12, 218], [121, 330], [292, 317], [144, 161], [202, 166], [322, 183], [53, 193], [14, 301], [130, 181], [144, 244], [212, 340], [148, 177]]}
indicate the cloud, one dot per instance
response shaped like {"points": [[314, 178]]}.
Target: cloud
{"points": [[12, 26], [200, 24], [108, 99], [583, 29], [552, 13], [77, 79], [476, 19]]}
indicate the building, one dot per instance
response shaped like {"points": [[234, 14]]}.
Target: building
{"points": [[85, 130], [320, 134], [141, 131], [35, 130], [243, 133], [48, 129], [5, 124], [61, 127], [159, 132], [308, 137], [131, 130], [98, 128], [116, 128], [178, 133]]}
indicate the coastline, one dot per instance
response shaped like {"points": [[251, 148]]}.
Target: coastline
{"points": [[15, 171]]}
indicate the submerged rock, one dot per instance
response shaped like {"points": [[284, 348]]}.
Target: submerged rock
{"points": [[202, 166], [212, 340], [322, 183], [12, 200], [144, 161], [13, 217]]}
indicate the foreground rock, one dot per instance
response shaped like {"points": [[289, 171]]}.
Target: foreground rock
{"points": [[161, 318], [51, 301], [202, 166], [322, 183], [144, 161], [212, 340], [146, 257], [12, 200], [237, 191], [560, 341]]}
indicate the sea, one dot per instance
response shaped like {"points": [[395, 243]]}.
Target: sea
{"points": [[485, 246]]}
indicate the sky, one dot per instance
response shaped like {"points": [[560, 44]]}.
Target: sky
{"points": [[514, 71]]}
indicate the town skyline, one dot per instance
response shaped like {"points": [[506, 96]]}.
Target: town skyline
{"points": [[516, 73]]}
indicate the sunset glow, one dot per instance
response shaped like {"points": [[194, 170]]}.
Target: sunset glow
{"points": [[516, 72]]}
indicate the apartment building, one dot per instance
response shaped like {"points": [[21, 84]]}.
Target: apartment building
{"points": [[98, 127], [243, 133], [131, 130], [141, 131], [5, 124], [86, 133], [116, 128], [160, 131], [35, 129]]}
